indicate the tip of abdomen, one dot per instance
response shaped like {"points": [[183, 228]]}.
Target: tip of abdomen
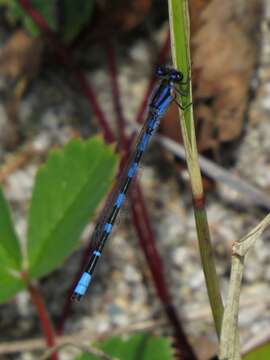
{"points": [[81, 286]]}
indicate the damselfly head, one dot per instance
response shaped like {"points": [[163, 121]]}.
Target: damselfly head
{"points": [[169, 73]]}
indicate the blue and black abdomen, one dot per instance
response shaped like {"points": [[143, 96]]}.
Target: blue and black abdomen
{"points": [[158, 105]]}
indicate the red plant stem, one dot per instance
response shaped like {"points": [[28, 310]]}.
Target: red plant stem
{"points": [[147, 243], [45, 322], [116, 96], [142, 223], [65, 59], [35, 15]]}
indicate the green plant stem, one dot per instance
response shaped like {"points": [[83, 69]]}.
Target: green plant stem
{"points": [[208, 264], [179, 25]]}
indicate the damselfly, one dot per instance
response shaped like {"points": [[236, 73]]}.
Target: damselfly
{"points": [[170, 81]]}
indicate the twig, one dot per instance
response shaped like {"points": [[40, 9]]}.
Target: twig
{"points": [[16, 161], [84, 348], [229, 334], [81, 337], [257, 341], [216, 172]]}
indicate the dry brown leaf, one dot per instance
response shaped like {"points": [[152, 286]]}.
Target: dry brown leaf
{"points": [[19, 62], [21, 55], [223, 61], [224, 49], [122, 15]]}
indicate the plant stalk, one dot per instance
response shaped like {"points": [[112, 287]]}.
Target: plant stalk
{"points": [[229, 341], [180, 35], [45, 322]]}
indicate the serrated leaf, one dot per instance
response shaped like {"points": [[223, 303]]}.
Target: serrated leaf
{"points": [[140, 346], [67, 190], [75, 15], [10, 254], [260, 353]]}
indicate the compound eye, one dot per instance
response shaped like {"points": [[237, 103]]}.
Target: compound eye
{"points": [[177, 76]]}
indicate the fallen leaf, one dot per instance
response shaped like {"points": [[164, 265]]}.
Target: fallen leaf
{"points": [[116, 17], [21, 55], [19, 62], [223, 62]]}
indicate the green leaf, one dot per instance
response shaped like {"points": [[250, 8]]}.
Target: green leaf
{"points": [[260, 353], [67, 190], [67, 18], [75, 15], [140, 346], [45, 8], [9, 285], [10, 254]]}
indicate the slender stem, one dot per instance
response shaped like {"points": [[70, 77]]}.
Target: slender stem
{"points": [[208, 262], [81, 337], [180, 37], [229, 341], [110, 55], [45, 322], [147, 242], [87, 349]]}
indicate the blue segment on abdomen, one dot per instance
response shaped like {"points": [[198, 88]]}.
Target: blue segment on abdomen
{"points": [[152, 124], [83, 284], [108, 228], [132, 170], [144, 141], [119, 200]]}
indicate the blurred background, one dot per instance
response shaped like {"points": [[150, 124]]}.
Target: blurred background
{"points": [[45, 101]]}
